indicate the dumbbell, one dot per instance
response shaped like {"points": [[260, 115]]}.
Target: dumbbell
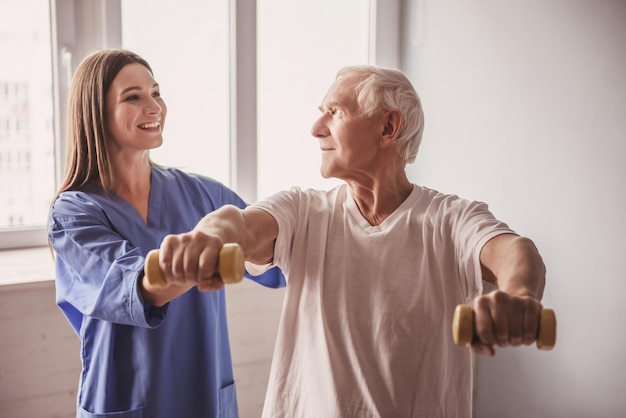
{"points": [[230, 266], [463, 327]]}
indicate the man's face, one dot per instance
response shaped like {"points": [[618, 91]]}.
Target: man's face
{"points": [[349, 140]]}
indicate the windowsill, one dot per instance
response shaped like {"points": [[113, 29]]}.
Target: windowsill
{"points": [[26, 265]]}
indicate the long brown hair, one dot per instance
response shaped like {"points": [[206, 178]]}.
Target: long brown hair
{"points": [[88, 159]]}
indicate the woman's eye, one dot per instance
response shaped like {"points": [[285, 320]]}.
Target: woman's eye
{"points": [[133, 97], [156, 94]]}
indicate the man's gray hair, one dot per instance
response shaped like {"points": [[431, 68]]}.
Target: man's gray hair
{"points": [[382, 89]]}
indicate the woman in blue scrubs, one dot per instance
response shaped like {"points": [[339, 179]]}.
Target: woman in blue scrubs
{"points": [[145, 352]]}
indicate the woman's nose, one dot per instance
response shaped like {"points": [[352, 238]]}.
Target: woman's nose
{"points": [[154, 106]]}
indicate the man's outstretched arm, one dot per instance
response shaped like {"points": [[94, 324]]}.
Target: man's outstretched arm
{"points": [[509, 316], [190, 259]]}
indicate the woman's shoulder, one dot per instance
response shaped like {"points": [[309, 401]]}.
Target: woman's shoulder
{"points": [[194, 184], [84, 194], [177, 175], [87, 201]]}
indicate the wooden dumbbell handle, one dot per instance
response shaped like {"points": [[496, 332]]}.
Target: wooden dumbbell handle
{"points": [[463, 327], [230, 266]]}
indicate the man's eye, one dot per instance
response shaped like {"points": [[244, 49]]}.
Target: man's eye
{"points": [[332, 111]]}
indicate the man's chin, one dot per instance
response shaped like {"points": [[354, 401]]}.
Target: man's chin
{"points": [[326, 173]]}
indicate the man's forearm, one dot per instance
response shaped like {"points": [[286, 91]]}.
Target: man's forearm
{"points": [[515, 265], [228, 224], [253, 229]]}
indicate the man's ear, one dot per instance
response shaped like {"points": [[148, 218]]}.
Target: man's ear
{"points": [[392, 122]]}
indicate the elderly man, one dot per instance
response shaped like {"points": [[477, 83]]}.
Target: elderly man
{"points": [[375, 268]]}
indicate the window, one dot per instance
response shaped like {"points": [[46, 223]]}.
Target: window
{"points": [[187, 44], [26, 135], [294, 73], [242, 81]]}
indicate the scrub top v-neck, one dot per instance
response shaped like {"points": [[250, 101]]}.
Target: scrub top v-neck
{"points": [[139, 360]]}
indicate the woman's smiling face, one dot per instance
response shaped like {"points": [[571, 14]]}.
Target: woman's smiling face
{"points": [[135, 111]]}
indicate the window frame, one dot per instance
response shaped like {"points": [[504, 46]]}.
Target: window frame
{"points": [[78, 27]]}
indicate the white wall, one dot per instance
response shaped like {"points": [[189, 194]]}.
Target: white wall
{"points": [[525, 106], [40, 353], [253, 315]]}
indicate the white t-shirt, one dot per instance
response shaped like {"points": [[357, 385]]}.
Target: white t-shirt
{"points": [[365, 329]]}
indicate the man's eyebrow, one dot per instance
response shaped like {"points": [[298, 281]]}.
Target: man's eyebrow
{"points": [[329, 104]]}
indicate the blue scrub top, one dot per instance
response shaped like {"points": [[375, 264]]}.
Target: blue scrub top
{"points": [[139, 360]]}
